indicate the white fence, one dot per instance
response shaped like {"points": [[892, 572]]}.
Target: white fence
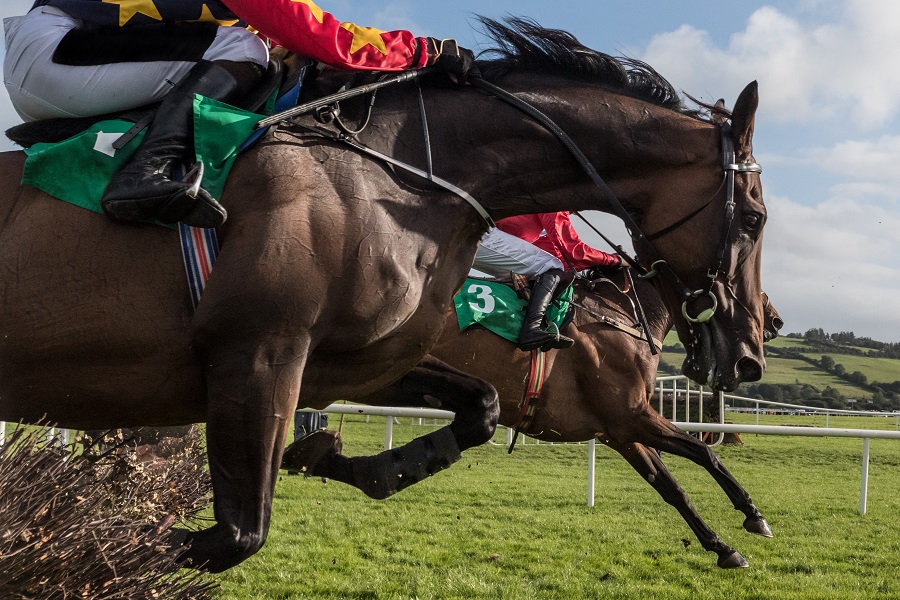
{"points": [[683, 398], [675, 393], [679, 393]]}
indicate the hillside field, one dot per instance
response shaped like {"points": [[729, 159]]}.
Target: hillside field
{"points": [[780, 370]]}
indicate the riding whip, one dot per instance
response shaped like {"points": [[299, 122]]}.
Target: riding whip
{"points": [[334, 98]]}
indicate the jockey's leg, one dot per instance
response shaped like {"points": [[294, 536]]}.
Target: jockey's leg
{"points": [[146, 188], [533, 335], [50, 54]]}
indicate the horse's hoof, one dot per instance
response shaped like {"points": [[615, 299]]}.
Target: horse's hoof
{"points": [[733, 561], [758, 526], [304, 454]]}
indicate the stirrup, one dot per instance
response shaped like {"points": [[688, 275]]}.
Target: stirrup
{"points": [[194, 177]]}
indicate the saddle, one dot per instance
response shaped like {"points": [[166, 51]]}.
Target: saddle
{"points": [[283, 74]]}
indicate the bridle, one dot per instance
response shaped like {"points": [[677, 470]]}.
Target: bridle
{"points": [[658, 265], [731, 167]]}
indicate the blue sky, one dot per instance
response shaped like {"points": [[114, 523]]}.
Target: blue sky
{"points": [[827, 135]]}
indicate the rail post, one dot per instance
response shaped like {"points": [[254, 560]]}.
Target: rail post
{"points": [[592, 465], [864, 486], [389, 433]]}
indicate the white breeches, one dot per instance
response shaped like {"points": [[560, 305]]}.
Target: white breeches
{"points": [[42, 89], [500, 253]]}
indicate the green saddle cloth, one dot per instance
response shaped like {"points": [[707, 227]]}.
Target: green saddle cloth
{"points": [[78, 169], [498, 308]]}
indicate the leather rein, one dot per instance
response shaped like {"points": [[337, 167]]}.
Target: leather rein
{"points": [[325, 109]]}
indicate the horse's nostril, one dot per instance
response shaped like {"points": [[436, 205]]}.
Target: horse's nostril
{"points": [[777, 324], [749, 370]]}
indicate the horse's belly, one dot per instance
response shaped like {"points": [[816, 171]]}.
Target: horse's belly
{"points": [[93, 321], [350, 374]]}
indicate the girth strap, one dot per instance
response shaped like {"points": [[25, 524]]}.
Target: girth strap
{"points": [[529, 405]]}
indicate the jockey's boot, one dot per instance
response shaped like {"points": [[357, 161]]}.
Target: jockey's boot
{"points": [[532, 334], [145, 188]]}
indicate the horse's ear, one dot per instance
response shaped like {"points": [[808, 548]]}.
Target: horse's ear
{"points": [[719, 114], [742, 119]]}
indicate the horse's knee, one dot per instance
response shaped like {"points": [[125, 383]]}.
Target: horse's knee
{"points": [[476, 423]]}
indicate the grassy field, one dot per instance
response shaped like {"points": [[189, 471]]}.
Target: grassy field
{"points": [[517, 526]]}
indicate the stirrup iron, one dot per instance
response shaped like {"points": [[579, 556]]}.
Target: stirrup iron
{"points": [[194, 177]]}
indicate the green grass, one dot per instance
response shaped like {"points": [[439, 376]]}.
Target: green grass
{"points": [[790, 371], [886, 370], [517, 526]]}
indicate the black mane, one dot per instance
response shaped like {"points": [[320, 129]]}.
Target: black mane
{"points": [[522, 44]]}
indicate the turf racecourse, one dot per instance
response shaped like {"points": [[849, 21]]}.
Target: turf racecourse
{"points": [[517, 527]]}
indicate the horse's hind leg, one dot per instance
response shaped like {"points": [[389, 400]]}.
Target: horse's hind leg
{"points": [[477, 409], [668, 438], [651, 468]]}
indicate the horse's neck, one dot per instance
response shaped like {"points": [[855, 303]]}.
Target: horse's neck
{"points": [[515, 166]]}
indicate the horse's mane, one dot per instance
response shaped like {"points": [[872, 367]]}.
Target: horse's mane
{"points": [[523, 45]]}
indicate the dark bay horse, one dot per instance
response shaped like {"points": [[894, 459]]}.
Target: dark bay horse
{"points": [[600, 388], [336, 270]]}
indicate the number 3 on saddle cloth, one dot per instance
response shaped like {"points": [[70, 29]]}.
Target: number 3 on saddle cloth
{"points": [[500, 309]]}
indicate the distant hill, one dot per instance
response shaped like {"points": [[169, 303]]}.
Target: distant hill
{"points": [[816, 372]]}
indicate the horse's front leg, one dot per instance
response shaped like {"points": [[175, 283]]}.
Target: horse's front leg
{"points": [[473, 400], [654, 471], [252, 397]]}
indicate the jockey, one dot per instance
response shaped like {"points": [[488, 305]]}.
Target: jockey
{"points": [[539, 246], [82, 58]]}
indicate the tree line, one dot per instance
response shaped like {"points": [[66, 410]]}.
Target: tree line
{"points": [[846, 342]]}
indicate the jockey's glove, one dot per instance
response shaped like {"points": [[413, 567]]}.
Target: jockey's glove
{"points": [[449, 57], [598, 271]]}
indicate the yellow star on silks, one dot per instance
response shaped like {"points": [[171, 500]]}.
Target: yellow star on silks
{"points": [[206, 16], [313, 9], [129, 8], [363, 36]]}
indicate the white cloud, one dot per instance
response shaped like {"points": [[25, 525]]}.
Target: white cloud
{"points": [[810, 72], [833, 265], [874, 160]]}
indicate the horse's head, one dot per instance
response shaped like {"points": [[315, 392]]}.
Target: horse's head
{"points": [[772, 322], [708, 257]]}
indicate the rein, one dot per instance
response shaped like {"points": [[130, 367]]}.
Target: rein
{"points": [[640, 331], [729, 166], [657, 264]]}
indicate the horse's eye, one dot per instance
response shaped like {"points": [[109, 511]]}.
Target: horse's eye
{"points": [[752, 221]]}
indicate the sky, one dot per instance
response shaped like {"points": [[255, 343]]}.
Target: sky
{"points": [[827, 129]]}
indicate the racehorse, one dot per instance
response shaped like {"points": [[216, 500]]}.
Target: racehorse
{"points": [[336, 268], [599, 389]]}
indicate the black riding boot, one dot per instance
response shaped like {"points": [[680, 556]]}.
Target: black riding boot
{"points": [[144, 188], [532, 334]]}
